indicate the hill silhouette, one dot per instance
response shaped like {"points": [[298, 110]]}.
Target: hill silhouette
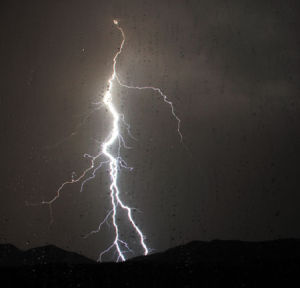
{"points": [[197, 264], [50, 254]]}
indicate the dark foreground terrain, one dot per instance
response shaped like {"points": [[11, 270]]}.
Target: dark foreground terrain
{"points": [[197, 264]]}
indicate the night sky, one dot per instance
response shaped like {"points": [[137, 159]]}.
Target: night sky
{"points": [[231, 69]]}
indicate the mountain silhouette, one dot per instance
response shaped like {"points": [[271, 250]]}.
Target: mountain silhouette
{"points": [[197, 264], [50, 254]]}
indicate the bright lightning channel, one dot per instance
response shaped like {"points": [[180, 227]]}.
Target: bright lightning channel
{"points": [[115, 163]]}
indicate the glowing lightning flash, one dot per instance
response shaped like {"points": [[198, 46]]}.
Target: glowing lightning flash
{"points": [[115, 163]]}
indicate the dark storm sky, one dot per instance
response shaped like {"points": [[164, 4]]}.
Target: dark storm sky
{"points": [[230, 67]]}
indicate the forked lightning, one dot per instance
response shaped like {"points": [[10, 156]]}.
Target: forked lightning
{"points": [[115, 162]]}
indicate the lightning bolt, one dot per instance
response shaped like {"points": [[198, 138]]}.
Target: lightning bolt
{"points": [[115, 163]]}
